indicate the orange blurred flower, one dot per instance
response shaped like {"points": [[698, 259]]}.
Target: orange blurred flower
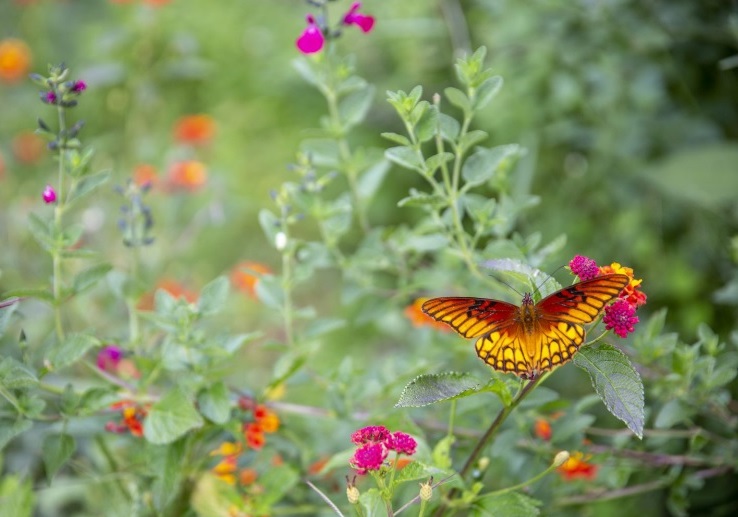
{"points": [[254, 435], [133, 416], [317, 466], [188, 175], [403, 462], [176, 289], [247, 476], [194, 129], [28, 147], [632, 292], [145, 174], [225, 469], [15, 60], [246, 274], [156, 3], [577, 466], [227, 449], [542, 429], [418, 318], [269, 422]]}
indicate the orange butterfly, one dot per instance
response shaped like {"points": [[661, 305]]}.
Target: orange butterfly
{"points": [[533, 338]]}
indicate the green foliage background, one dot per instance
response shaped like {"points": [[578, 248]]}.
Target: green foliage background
{"points": [[627, 110]]}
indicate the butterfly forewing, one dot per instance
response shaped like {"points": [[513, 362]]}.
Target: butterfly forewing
{"points": [[531, 339]]}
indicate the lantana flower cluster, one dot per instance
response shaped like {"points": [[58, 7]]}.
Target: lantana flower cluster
{"points": [[313, 38], [259, 422], [373, 444], [133, 415], [620, 315]]}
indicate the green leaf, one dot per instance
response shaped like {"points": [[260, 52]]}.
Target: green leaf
{"points": [[508, 504], [270, 292], [40, 294], [322, 151], [16, 497], [213, 296], [171, 418], [436, 387], [421, 199], [472, 138], [276, 483], [41, 231], [705, 175], [398, 139], [7, 308], [371, 179], [436, 161], [9, 429], [487, 91], [214, 403], [354, 107], [16, 375], [270, 224], [427, 125], [213, 497], [165, 462], [616, 382], [89, 277], [405, 156], [458, 99], [56, 450], [87, 185], [441, 454], [484, 164], [672, 413], [449, 126], [71, 350]]}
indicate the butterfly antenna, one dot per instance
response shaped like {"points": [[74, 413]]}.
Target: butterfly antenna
{"points": [[549, 276], [506, 284]]}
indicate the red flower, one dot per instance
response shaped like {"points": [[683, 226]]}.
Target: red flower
{"points": [[311, 40], [369, 457], [542, 429], [194, 129], [370, 434], [578, 467], [620, 317], [402, 443], [363, 21]]}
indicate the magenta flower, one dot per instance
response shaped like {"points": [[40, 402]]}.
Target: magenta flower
{"points": [[370, 434], [363, 21], [620, 317], [79, 86], [49, 195], [311, 40], [585, 268], [49, 97], [109, 357], [369, 457], [402, 443]]}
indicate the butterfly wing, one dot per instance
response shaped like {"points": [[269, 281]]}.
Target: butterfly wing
{"points": [[583, 301], [471, 317]]}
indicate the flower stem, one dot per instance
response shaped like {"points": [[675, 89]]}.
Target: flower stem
{"points": [[56, 258]]}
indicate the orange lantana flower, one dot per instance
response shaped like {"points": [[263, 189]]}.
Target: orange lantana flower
{"points": [[247, 476], [577, 466], [194, 129], [188, 175], [145, 174], [133, 416], [226, 468], [28, 147], [632, 292], [246, 274], [418, 318], [254, 435], [173, 287], [542, 429], [15, 60]]}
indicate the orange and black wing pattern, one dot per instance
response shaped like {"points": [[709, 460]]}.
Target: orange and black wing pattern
{"points": [[471, 317]]}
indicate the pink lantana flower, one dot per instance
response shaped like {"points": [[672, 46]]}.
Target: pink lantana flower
{"points": [[584, 267], [620, 317], [370, 434], [402, 443], [312, 39], [368, 457], [353, 17], [109, 357]]}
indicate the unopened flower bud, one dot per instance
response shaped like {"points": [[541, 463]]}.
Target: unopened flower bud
{"points": [[560, 458], [426, 490], [483, 463], [352, 494]]}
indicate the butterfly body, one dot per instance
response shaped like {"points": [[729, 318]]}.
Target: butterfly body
{"points": [[532, 338]]}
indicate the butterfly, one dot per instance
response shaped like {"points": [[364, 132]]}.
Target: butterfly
{"points": [[534, 337]]}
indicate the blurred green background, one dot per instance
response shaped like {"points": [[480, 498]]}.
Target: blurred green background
{"points": [[628, 111]]}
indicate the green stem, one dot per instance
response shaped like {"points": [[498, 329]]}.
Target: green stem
{"points": [[532, 480], [287, 284], [56, 258]]}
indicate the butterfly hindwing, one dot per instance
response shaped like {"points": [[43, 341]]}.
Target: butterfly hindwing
{"points": [[582, 302], [471, 317]]}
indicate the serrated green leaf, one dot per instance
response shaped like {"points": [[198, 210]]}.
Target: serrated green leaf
{"points": [[171, 418], [213, 296], [71, 350], [56, 450], [9, 429], [436, 387], [508, 504], [16, 375], [87, 185], [214, 403], [405, 156], [89, 277], [616, 382]]}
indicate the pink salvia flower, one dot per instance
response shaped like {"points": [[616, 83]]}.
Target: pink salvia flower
{"points": [[370, 434], [49, 97], [79, 86], [369, 457], [402, 443], [49, 195], [620, 317], [109, 357], [363, 21], [311, 40], [585, 268]]}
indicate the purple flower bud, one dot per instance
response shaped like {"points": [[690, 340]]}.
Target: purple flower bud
{"points": [[49, 195]]}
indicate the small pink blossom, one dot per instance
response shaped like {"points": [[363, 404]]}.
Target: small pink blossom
{"points": [[363, 21], [109, 357], [49, 97], [79, 86], [49, 195], [402, 443], [369, 457], [620, 317], [585, 268], [370, 434], [311, 40]]}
